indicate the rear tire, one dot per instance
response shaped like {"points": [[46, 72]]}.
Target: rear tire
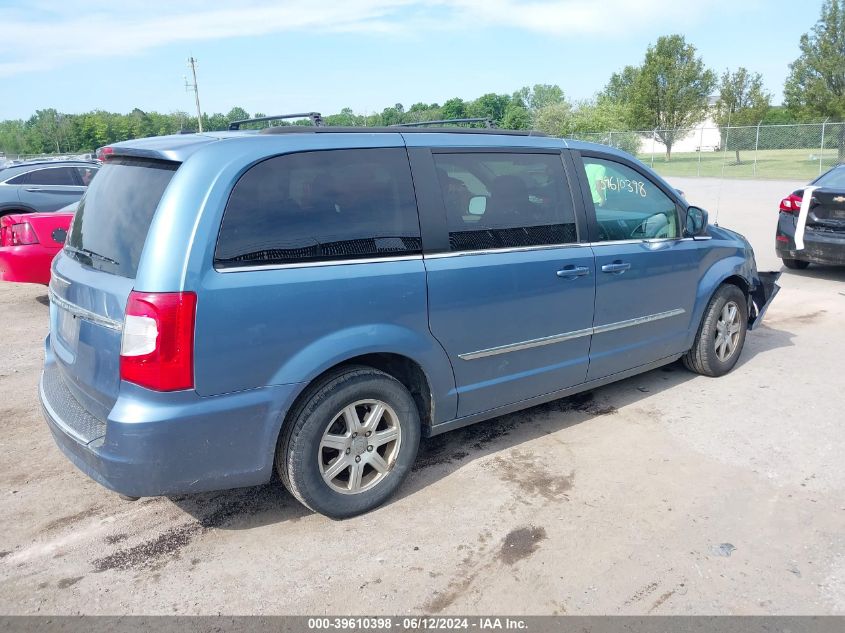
{"points": [[349, 443], [795, 264], [721, 335]]}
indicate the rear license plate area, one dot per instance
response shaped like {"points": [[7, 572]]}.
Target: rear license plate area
{"points": [[68, 328]]}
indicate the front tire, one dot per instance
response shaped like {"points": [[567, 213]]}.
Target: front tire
{"points": [[795, 264], [721, 335], [350, 442]]}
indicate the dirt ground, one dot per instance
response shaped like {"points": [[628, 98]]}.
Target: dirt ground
{"points": [[667, 493]]}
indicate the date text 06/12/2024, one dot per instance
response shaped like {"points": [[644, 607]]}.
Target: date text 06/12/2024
{"points": [[416, 624]]}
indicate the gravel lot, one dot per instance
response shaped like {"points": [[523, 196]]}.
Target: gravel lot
{"points": [[667, 493]]}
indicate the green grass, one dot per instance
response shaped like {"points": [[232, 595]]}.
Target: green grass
{"points": [[792, 164]]}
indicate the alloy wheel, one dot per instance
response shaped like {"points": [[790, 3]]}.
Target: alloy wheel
{"points": [[359, 446]]}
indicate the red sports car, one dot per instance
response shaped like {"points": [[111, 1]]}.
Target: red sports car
{"points": [[28, 243]]}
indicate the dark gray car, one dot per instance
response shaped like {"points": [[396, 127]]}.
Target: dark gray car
{"points": [[40, 186]]}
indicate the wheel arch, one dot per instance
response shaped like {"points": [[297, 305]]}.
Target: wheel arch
{"points": [[739, 282], [733, 270], [408, 371], [403, 368], [17, 207]]}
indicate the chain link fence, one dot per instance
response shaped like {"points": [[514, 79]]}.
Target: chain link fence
{"points": [[792, 151]]}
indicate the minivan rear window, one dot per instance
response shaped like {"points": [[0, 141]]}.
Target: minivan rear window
{"points": [[111, 224]]}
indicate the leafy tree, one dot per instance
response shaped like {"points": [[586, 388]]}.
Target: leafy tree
{"points": [[215, 122], [742, 102], [345, 117], [47, 130], [394, 115], [668, 92], [13, 137], [490, 106], [539, 96], [237, 114], [816, 82], [555, 120], [423, 112], [776, 115], [605, 116], [516, 117], [454, 109]]}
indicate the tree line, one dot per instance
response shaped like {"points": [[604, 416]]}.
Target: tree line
{"points": [[670, 90]]}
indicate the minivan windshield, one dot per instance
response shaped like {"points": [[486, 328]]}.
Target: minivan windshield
{"points": [[111, 224]]}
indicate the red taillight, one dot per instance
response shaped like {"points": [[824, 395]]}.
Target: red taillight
{"points": [[791, 204], [17, 235], [157, 349]]}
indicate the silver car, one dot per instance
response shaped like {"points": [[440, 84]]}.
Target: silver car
{"points": [[44, 185]]}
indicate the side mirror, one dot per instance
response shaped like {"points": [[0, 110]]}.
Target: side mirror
{"points": [[696, 225], [477, 205]]}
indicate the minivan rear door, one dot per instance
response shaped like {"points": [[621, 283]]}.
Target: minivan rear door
{"points": [[95, 272], [510, 287]]}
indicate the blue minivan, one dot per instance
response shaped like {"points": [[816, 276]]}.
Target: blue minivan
{"points": [[313, 300]]}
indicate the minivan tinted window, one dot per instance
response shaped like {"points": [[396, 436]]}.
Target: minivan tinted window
{"points": [[111, 224], [319, 206], [504, 200]]}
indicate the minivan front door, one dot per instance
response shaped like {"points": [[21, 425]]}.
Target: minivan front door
{"points": [[511, 294], [646, 275]]}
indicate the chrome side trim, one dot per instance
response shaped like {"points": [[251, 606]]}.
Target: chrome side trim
{"points": [[638, 321], [520, 249], [319, 264], [641, 240], [512, 249], [566, 336], [537, 342], [82, 313]]}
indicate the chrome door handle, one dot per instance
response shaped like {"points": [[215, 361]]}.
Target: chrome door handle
{"points": [[573, 272], [34, 189], [616, 268]]}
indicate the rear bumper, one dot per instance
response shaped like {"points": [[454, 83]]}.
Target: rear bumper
{"points": [[819, 247], [158, 444], [26, 264]]}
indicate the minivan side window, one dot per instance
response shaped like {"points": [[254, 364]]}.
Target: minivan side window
{"points": [[505, 200], [321, 206], [628, 205]]}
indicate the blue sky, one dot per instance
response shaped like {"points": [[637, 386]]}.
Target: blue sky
{"points": [[294, 55]]}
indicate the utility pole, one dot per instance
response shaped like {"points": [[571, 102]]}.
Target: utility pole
{"points": [[193, 86]]}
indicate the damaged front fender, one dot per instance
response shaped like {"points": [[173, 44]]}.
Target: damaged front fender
{"points": [[765, 289]]}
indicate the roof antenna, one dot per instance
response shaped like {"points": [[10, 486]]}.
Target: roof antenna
{"points": [[722, 178]]}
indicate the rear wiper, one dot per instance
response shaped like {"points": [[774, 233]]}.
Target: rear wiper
{"points": [[89, 253]]}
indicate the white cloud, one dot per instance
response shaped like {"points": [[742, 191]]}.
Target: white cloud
{"points": [[46, 35]]}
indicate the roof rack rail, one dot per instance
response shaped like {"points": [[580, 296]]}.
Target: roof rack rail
{"points": [[488, 123], [316, 119], [330, 129]]}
